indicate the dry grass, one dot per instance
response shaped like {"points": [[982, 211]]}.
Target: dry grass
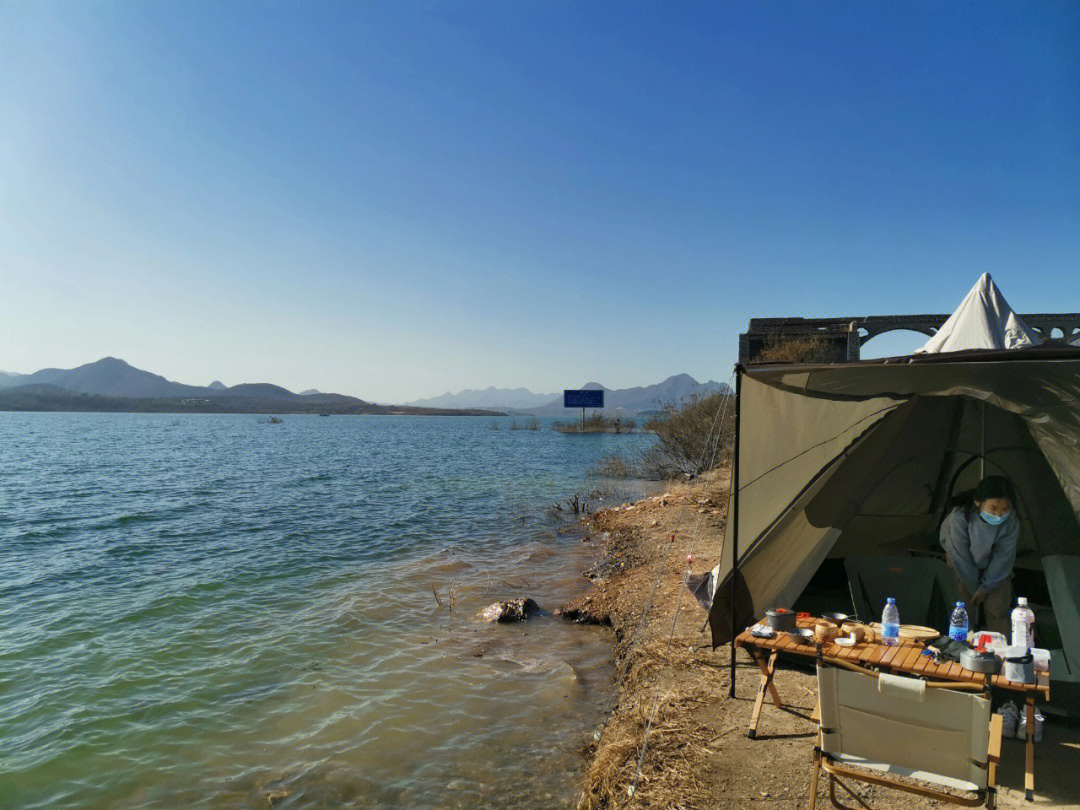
{"points": [[807, 349], [667, 682]]}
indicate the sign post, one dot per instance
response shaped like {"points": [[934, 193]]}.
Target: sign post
{"points": [[583, 398]]}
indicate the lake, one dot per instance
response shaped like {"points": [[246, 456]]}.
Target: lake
{"points": [[211, 611]]}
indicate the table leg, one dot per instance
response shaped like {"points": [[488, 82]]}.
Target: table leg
{"points": [[767, 672], [1029, 771]]}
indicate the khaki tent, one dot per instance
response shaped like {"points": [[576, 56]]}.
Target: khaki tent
{"points": [[859, 460]]}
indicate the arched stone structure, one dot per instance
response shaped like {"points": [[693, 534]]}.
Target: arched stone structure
{"points": [[847, 335]]}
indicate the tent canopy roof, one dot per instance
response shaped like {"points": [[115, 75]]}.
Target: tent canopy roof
{"points": [[984, 320], [850, 457]]}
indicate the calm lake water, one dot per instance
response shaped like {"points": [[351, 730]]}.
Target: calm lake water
{"points": [[216, 612]]}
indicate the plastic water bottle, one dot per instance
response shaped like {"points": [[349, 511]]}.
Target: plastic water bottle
{"points": [[890, 623], [1023, 625], [958, 623]]}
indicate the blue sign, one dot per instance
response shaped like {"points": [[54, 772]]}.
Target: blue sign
{"points": [[587, 398]]}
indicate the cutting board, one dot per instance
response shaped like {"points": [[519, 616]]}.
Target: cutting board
{"points": [[911, 631]]}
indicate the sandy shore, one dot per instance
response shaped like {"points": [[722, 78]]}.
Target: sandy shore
{"points": [[697, 754]]}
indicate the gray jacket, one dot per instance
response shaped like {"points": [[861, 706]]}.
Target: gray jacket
{"points": [[982, 555]]}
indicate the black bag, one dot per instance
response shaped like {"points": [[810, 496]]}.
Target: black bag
{"points": [[948, 649]]}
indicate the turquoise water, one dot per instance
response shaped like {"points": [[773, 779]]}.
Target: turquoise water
{"points": [[212, 611]]}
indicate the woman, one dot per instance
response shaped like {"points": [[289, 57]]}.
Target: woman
{"points": [[979, 537]]}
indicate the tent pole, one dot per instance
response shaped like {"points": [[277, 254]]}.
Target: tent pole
{"points": [[982, 443], [734, 518]]}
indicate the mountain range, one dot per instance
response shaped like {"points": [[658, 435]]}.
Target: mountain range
{"points": [[110, 384], [629, 400], [518, 399]]}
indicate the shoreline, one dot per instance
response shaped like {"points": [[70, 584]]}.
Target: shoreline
{"points": [[697, 755], [642, 567]]}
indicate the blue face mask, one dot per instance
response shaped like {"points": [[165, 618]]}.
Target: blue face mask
{"points": [[994, 520]]}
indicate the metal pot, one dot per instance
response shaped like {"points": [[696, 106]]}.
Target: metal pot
{"points": [[984, 662], [780, 619], [1019, 665]]}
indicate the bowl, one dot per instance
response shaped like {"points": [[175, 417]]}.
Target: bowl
{"points": [[836, 618], [801, 634]]}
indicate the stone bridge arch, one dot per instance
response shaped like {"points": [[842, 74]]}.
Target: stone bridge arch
{"points": [[846, 336]]}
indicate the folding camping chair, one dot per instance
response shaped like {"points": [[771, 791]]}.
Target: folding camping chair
{"points": [[886, 730]]}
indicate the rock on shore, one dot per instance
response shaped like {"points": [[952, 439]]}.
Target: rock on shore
{"points": [[512, 610]]}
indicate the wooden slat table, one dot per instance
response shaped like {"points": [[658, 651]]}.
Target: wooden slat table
{"points": [[904, 658]]}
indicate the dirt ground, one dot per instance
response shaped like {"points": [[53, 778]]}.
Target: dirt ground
{"points": [[696, 752]]}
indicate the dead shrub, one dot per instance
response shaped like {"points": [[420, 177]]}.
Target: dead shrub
{"points": [[693, 436], [803, 349]]}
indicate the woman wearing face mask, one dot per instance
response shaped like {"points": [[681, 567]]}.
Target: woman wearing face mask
{"points": [[979, 537]]}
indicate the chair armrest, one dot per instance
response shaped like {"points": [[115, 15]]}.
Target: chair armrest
{"points": [[993, 751]]}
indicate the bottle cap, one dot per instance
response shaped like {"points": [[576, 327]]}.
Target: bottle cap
{"points": [[959, 604], [892, 600], [1022, 601]]}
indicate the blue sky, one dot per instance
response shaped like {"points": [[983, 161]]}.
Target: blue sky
{"points": [[395, 199]]}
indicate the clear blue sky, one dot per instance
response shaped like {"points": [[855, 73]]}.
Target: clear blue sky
{"points": [[393, 199]]}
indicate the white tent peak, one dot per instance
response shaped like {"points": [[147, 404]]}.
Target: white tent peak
{"points": [[984, 320]]}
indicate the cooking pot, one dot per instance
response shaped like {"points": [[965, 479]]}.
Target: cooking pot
{"points": [[780, 619], [985, 662]]}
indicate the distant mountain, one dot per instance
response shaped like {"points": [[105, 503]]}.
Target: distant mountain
{"points": [[501, 398], [309, 392], [112, 377], [641, 398], [109, 377], [111, 384], [630, 400]]}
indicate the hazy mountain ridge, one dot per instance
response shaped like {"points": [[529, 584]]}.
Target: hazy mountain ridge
{"points": [[490, 397], [674, 389], [631, 400]]}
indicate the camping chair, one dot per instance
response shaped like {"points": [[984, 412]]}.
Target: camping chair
{"points": [[874, 577], [878, 728]]}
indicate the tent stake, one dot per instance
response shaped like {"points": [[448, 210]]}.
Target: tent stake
{"points": [[734, 517]]}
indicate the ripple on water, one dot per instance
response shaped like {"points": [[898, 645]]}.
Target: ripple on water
{"points": [[207, 612]]}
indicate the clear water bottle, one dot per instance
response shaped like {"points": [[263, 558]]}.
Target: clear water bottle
{"points": [[958, 623], [890, 623], [1023, 625]]}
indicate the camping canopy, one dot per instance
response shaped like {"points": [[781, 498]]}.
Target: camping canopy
{"points": [[861, 459], [984, 320]]}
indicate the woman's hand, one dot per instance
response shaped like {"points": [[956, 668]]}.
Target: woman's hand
{"points": [[978, 596]]}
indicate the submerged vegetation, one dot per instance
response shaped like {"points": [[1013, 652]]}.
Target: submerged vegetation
{"points": [[597, 423]]}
